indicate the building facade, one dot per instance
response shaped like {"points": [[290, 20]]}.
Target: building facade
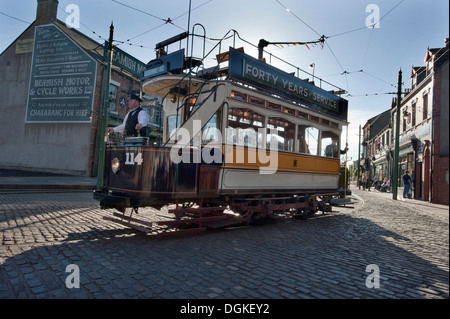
{"points": [[53, 96], [423, 132], [377, 147]]}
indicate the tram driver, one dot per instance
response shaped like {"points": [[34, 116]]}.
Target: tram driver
{"points": [[136, 120], [332, 150]]}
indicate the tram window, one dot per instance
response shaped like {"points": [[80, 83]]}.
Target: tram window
{"points": [[243, 125], [285, 133], [330, 144], [173, 122], [211, 131], [308, 139]]}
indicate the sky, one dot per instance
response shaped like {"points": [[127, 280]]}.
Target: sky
{"points": [[366, 42]]}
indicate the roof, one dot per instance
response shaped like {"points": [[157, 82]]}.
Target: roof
{"points": [[379, 123], [417, 70]]}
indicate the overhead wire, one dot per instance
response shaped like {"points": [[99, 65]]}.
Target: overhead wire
{"points": [[438, 52], [367, 49], [298, 18], [322, 37], [149, 14], [166, 21], [84, 25], [7, 15], [345, 73], [365, 27]]}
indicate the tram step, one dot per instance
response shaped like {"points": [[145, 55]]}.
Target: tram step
{"points": [[198, 210], [228, 221], [199, 221]]}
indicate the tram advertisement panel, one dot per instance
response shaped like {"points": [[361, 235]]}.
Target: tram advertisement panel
{"points": [[248, 69], [62, 80]]}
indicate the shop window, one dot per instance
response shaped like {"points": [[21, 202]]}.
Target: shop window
{"points": [[112, 101]]}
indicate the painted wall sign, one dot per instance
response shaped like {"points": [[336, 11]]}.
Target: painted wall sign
{"points": [[24, 46], [127, 62], [251, 70], [62, 80]]}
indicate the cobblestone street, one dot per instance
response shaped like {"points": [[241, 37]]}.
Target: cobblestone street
{"points": [[325, 257]]}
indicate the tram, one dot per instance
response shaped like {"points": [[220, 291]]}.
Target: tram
{"points": [[241, 141]]}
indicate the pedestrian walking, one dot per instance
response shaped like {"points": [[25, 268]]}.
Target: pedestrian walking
{"points": [[364, 180], [406, 185]]}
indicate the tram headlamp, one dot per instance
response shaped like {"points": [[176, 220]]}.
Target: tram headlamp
{"points": [[115, 165]]}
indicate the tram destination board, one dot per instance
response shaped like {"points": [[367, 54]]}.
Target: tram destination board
{"points": [[248, 69], [62, 80]]}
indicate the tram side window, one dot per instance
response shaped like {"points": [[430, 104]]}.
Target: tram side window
{"points": [[308, 139], [243, 125], [211, 131], [285, 134], [330, 144], [173, 122]]}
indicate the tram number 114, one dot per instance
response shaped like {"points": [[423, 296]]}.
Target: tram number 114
{"points": [[133, 159]]}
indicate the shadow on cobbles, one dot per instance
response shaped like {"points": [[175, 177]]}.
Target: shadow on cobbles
{"points": [[327, 257]]}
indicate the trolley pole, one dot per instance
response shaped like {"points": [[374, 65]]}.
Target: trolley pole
{"points": [[104, 114], [397, 138]]}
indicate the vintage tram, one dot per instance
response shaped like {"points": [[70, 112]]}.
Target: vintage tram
{"points": [[240, 141]]}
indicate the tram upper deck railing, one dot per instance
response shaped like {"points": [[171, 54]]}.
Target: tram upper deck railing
{"points": [[242, 69]]}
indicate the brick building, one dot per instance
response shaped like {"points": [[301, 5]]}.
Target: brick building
{"points": [[440, 134], [53, 82]]}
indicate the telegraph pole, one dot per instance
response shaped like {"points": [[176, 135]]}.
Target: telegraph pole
{"points": [[397, 137], [102, 132]]}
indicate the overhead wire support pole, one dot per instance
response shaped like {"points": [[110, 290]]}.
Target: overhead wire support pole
{"points": [[104, 113], [397, 138], [359, 159], [345, 168]]}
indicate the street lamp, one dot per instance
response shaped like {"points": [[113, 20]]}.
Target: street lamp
{"points": [[312, 66]]}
